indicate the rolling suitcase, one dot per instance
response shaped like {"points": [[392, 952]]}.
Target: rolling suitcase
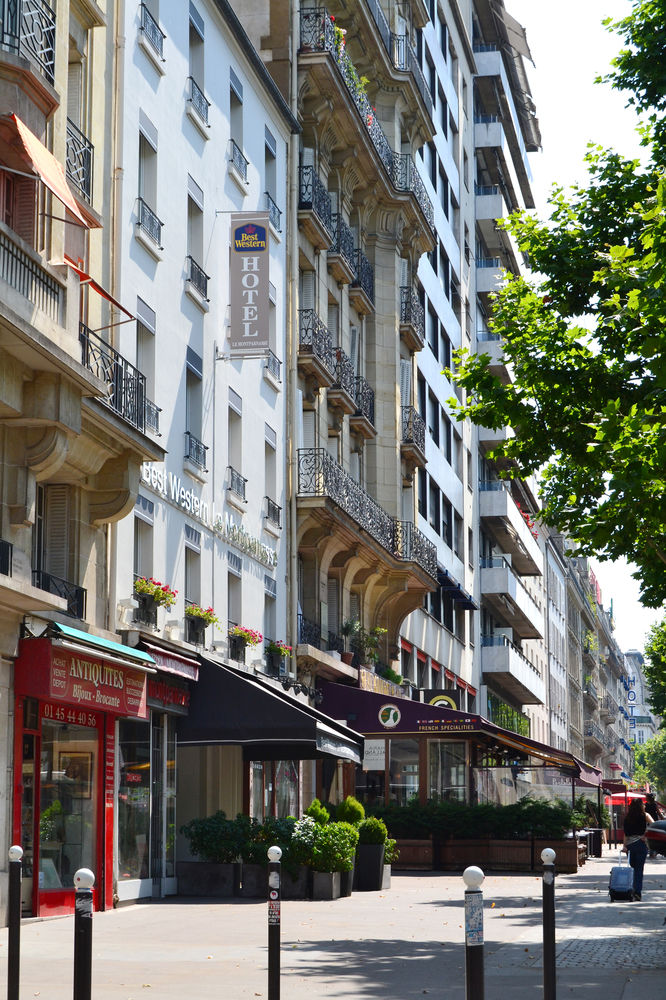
{"points": [[621, 882]]}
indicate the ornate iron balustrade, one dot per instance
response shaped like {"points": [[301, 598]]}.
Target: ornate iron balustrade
{"points": [[198, 100], [591, 690], [379, 17], [335, 643], [407, 178], [344, 372], [152, 31], [273, 365], [273, 512], [413, 546], [238, 160], [127, 384], [364, 275], [195, 450], [237, 483], [28, 278], [197, 277], [75, 596], [6, 557], [149, 223], [313, 195], [28, 28], [364, 397], [79, 161], [274, 213], [411, 310], [610, 705], [405, 58], [315, 337], [153, 417], [413, 428], [343, 242], [309, 632], [594, 731]]}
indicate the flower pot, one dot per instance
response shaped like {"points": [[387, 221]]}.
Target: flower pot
{"points": [[347, 881], [326, 885], [195, 630], [254, 881], [347, 657], [206, 878], [370, 865], [275, 665], [146, 612], [298, 886], [237, 648]]}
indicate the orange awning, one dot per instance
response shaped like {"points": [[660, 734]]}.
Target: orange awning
{"points": [[86, 279], [44, 165]]}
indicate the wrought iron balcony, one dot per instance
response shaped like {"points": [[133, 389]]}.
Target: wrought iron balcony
{"points": [[405, 58], [320, 475], [364, 275], [591, 690], [79, 160], [314, 338], [153, 417], [381, 23], [237, 483], [309, 632], [413, 428], [407, 178], [237, 159], [150, 224], [313, 196], [273, 365], [274, 213], [127, 385], [343, 242], [28, 278], [273, 512], [197, 277], [412, 313], [6, 557], [609, 706], [344, 373], [75, 596], [594, 732], [364, 397], [195, 451], [152, 31], [198, 100], [28, 28]]}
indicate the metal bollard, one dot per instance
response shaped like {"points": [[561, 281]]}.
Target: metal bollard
{"points": [[14, 922], [84, 880], [549, 975], [474, 981], [274, 892]]}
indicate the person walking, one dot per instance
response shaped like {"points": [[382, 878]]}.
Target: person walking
{"points": [[636, 823]]}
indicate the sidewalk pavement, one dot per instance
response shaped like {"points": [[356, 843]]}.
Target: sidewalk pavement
{"points": [[399, 944]]}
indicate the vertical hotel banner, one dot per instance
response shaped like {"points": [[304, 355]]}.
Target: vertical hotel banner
{"points": [[248, 284]]}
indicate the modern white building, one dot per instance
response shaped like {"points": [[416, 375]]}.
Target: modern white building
{"points": [[643, 724]]}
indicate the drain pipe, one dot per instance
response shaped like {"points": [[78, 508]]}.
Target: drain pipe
{"points": [[292, 342]]}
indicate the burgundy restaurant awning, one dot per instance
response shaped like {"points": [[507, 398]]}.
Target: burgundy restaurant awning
{"points": [[377, 715]]}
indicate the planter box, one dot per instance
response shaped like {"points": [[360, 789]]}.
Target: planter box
{"points": [[347, 880], [414, 854], [254, 882], [370, 867], [504, 855], [298, 887], [203, 878], [326, 885]]}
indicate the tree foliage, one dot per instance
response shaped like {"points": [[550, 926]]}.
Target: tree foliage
{"points": [[652, 763], [584, 337], [654, 667]]}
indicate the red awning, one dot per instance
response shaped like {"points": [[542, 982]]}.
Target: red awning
{"points": [[42, 163], [86, 279]]}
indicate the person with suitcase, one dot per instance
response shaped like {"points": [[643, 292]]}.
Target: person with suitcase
{"points": [[635, 842]]}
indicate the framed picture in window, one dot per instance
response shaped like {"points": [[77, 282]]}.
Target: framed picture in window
{"points": [[75, 767]]}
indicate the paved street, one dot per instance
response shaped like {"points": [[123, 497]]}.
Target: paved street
{"points": [[403, 943]]}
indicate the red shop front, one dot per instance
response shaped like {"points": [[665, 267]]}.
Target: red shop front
{"points": [[69, 693]]}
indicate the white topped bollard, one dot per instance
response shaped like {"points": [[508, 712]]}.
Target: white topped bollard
{"points": [[14, 922], [84, 880], [474, 978], [274, 893], [549, 975]]}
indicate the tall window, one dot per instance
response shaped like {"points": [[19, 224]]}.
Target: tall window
{"points": [[148, 170], [192, 575], [236, 110], [196, 48]]}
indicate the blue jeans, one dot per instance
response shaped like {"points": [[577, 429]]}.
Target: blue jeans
{"points": [[638, 852]]}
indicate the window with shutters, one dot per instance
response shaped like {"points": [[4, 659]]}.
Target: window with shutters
{"points": [[405, 382], [17, 204], [333, 593], [51, 538], [307, 289], [192, 576], [143, 548]]}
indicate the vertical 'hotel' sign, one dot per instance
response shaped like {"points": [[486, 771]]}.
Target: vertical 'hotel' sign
{"points": [[248, 280]]}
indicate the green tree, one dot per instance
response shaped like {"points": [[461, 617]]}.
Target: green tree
{"points": [[584, 336], [653, 752], [654, 667]]}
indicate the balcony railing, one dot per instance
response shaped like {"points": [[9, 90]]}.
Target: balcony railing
{"points": [[407, 178], [315, 338], [127, 385], [413, 428], [273, 365], [593, 731], [197, 277], [152, 31], [486, 189], [343, 242], [320, 475], [28, 278], [313, 195], [79, 160], [238, 159], [488, 262], [411, 310], [236, 483], [28, 28], [150, 224], [309, 632], [591, 690], [364, 275], [195, 451], [405, 58], [381, 23], [6, 557], [274, 213], [153, 417], [75, 596], [364, 397], [273, 512], [503, 640], [344, 372], [610, 705], [198, 100]]}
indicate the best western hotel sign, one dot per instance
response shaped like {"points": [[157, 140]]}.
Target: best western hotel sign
{"points": [[248, 284]]}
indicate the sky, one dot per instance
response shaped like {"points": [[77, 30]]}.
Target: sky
{"points": [[570, 47]]}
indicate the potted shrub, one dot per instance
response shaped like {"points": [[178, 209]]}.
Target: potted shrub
{"points": [[198, 619], [332, 853], [372, 836], [318, 812], [364, 642], [239, 637], [152, 594], [276, 653], [350, 810], [391, 855], [216, 842]]}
